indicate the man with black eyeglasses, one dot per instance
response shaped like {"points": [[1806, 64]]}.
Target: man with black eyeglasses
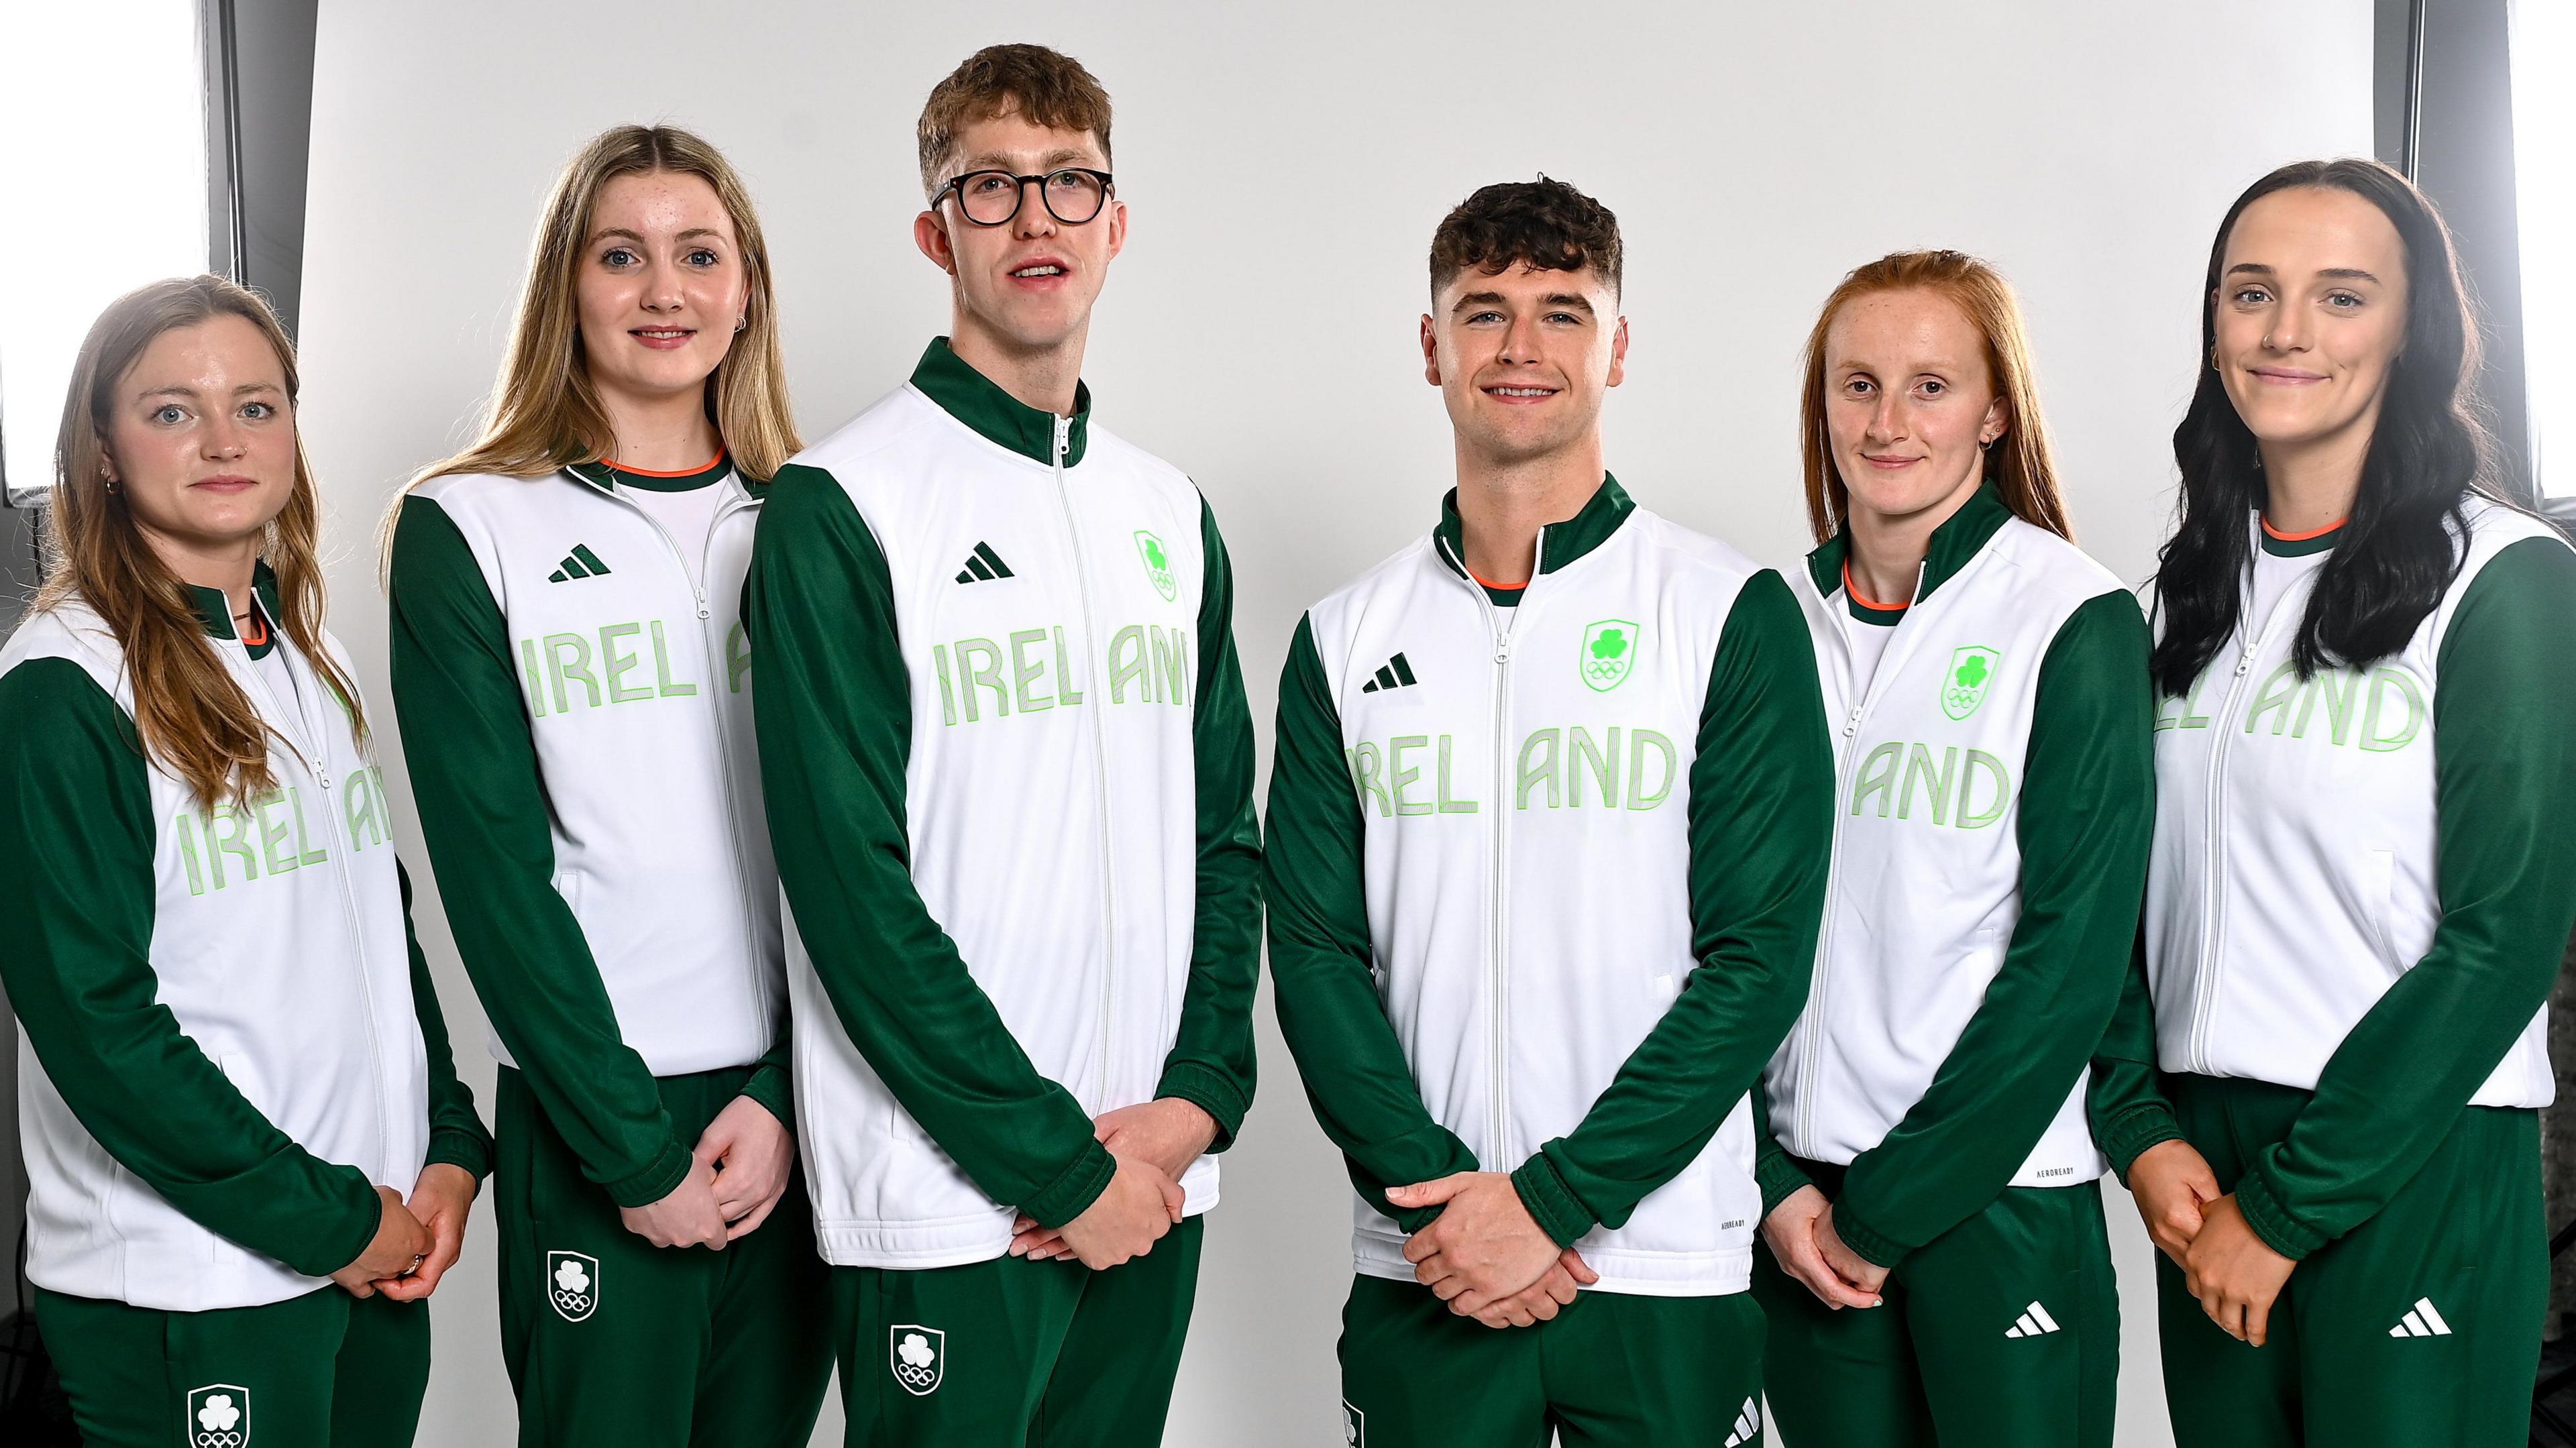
{"points": [[1008, 767]]}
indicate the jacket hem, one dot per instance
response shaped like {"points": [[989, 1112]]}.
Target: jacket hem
{"points": [[1716, 1273]]}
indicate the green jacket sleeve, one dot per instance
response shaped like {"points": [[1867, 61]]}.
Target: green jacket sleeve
{"points": [[1761, 814], [2126, 1108], [76, 845], [482, 805], [2504, 789], [834, 718], [456, 1134], [2086, 817], [1355, 1071], [1211, 1061]]}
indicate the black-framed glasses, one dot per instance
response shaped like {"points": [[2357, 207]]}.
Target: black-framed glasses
{"points": [[1071, 194]]}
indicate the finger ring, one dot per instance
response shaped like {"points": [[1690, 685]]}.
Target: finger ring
{"points": [[419, 1257]]}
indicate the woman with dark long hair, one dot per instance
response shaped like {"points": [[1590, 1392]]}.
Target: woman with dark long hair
{"points": [[248, 1152], [2362, 879]]}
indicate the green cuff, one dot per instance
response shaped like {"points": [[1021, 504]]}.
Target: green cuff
{"points": [[654, 1182], [344, 1240], [1072, 1194], [2134, 1131], [776, 1094], [1779, 1178], [1551, 1202], [1210, 1091], [1872, 1245], [468, 1149], [2271, 1220]]}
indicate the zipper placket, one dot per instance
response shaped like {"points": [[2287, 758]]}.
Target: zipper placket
{"points": [[1497, 915], [1811, 1024], [1099, 755], [2214, 842], [713, 657], [316, 762]]}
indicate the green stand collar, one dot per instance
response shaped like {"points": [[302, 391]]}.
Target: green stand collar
{"points": [[979, 402], [1957, 540], [1559, 544], [215, 610]]}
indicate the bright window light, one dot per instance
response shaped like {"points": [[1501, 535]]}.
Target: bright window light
{"points": [[105, 173], [2544, 154]]}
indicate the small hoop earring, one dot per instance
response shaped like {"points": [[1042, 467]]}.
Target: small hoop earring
{"points": [[741, 322]]}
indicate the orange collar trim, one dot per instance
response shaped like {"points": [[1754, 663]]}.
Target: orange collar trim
{"points": [[707, 466], [1485, 582], [2277, 536], [1864, 600]]}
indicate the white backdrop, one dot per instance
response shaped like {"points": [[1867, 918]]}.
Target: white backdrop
{"points": [[1285, 167]]}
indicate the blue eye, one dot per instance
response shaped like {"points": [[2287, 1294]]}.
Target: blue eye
{"points": [[2252, 296], [2343, 301], [259, 409], [618, 256], [703, 257], [169, 412]]}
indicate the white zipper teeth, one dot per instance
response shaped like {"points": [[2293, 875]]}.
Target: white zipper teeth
{"points": [[348, 897], [2213, 898], [1497, 926], [714, 661], [1099, 761], [1844, 748]]}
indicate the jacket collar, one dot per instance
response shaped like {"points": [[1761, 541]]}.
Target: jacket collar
{"points": [[1559, 544], [608, 478], [215, 610], [1957, 540], [1003, 420]]}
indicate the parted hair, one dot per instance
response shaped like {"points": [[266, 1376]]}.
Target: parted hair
{"points": [[545, 413], [2020, 461], [1045, 87], [2430, 452], [1543, 223], [193, 718]]}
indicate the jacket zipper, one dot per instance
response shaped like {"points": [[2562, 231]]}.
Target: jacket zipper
{"points": [[1812, 1023], [714, 660], [1497, 921], [1099, 762], [316, 762], [2214, 839]]}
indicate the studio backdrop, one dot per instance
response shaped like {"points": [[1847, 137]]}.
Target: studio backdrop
{"points": [[1285, 166]]}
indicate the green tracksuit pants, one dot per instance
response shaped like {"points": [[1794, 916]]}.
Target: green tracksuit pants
{"points": [[2418, 1329], [2002, 1332], [611, 1340], [321, 1369], [1011, 1352], [1613, 1370]]}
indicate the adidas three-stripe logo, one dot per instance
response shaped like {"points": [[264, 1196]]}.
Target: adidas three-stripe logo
{"points": [[2033, 1322], [983, 566], [1748, 1425], [2421, 1321], [1395, 673], [582, 563]]}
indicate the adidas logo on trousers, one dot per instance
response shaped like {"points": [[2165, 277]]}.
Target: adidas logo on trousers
{"points": [[2033, 1322], [2421, 1321]]}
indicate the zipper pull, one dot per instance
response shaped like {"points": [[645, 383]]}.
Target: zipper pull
{"points": [[1851, 725], [2244, 663], [702, 602], [1063, 438]]}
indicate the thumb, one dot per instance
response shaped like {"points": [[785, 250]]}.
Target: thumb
{"points": [[1423, 1194], [1175, 1200], [1579, 1269]]}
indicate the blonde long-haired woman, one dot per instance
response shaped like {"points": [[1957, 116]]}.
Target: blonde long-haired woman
{"points": [[1930, 1166], [249, 1156], [574, 690]]}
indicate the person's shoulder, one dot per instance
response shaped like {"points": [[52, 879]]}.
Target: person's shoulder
{"points": [[460, 492], [1104, 446], [1688, 551], [2050, 567], [67, 631], [902, 416]]}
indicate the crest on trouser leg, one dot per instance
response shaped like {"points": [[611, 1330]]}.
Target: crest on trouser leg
{"points": [[918, 1355], [218, 1416], [572, 1284]]}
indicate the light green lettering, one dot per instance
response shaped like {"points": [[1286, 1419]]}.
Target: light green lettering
{"points": [[1401, 776], [2382, 680], [662, 682], [1918, 765], [1450, 803], [577, 667], [1024, 673], [1544, 772], [1877, 776], [1639, 741], [1127, 661], [1368, 773], [1970, 817], [988, 674], [1065, 693], [1582, 749]]}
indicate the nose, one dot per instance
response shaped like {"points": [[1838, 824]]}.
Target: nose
{"points": [[1520, 340], [2286, 330], [1033, 220], [1886, 419], [662, 290], [222, 440]]}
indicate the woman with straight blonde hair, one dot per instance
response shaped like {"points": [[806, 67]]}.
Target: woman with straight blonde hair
{"points": [[1929, 1164], [248, 1152], [574, 688]]}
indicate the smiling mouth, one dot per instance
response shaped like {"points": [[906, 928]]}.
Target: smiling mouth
{"points": [[662, 336], [1521, 394], [1038, 270]]}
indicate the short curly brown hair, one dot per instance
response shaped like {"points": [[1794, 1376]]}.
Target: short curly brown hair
{"points": [[1543, 223], [1048, 87]]}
